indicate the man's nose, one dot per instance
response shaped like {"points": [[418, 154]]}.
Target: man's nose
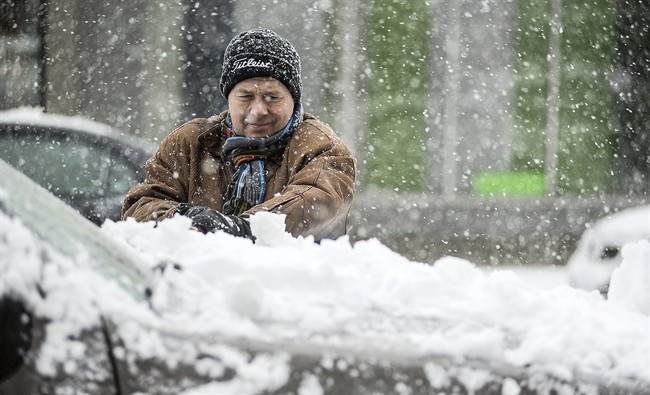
{"points": [[259, 107]]}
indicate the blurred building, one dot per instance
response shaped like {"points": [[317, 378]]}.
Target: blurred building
{"points": [[501, 105]]}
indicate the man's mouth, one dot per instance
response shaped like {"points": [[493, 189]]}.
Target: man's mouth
{"points": [[259, 125]]}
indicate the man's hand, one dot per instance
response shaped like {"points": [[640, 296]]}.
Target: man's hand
{"points": [[208, 220]]}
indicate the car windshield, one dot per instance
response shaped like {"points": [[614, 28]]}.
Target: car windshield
{"points": [[82, 168], [66, 230]]}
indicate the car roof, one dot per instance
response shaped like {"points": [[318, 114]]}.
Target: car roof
{"points": [[627, 225], [36, 116]]}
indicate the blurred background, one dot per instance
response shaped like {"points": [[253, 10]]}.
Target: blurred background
{"points": [[493, 130]]}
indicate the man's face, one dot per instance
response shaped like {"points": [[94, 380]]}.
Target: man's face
{"points": [[260, 106]]}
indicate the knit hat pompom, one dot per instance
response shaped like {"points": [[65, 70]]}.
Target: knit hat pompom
{"points": [[261, 53]]}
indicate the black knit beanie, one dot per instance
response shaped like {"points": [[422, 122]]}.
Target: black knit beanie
{"points": [[261, 53]]}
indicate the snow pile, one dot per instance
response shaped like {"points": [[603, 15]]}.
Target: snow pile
{"points": [[285, 290], [630, 284], [368, 296]]}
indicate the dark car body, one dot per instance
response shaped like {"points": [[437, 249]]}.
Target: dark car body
{"points": [[87, 164]]}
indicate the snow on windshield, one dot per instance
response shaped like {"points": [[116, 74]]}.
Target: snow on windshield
{"points": [[362, 295]]}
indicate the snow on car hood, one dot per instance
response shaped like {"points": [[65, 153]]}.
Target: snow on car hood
{"points": [[364, 296], [284, 287]]}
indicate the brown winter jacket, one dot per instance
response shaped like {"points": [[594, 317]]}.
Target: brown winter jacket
{"points": [[312, 181]]}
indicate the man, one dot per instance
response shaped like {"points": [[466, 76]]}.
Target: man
{"points": [[263, 154]]}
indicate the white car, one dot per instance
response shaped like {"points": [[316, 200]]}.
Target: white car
{"points": [[598, 251]]}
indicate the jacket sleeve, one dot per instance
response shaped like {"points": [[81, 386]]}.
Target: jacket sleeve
{"points": [[320, 191], [165, 185]]}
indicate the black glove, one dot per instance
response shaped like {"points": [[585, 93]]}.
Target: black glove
{"points": [[208, 220]]}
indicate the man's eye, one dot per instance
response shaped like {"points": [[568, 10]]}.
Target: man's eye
{"points": [[270, 98]]}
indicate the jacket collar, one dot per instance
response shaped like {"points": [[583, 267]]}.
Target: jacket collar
{"points": [[214, 134]]}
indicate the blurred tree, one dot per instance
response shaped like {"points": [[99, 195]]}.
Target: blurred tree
{"points": [[584, 104], [631, 84], [22, 29], [585, 98], [208, 30], [343, 55], [331, 66], [398, 84], [531, 68]]}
